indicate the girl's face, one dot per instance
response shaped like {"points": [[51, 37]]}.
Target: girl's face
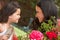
{"points": [[39, 14], [15, 16]]}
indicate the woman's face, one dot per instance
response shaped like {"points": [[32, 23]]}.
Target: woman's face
{"points": [[15, 16], [39, 14]]}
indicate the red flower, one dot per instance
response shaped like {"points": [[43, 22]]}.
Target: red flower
{"points": [[15, 37], [36, 35], [51, 35]]}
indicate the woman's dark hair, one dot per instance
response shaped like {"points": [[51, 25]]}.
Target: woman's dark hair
{"points": [[8, 10], [49, 9]]}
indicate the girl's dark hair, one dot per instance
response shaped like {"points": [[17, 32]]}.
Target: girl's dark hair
{"points": [[3, 2], [8, 10], [49, 9]]}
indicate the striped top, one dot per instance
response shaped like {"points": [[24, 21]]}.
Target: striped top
{"points": [[9, 32]]}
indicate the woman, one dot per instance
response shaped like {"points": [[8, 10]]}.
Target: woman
{"points": [[44, 10], [9, 14]]}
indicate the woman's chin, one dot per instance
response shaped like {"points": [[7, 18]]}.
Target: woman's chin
{"points": [[40, 21]]}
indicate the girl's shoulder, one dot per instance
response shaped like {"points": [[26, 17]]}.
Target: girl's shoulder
{"points": [[0, 28], [10, 29]]}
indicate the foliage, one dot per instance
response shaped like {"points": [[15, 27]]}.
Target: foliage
{"points": [[47, 26]]}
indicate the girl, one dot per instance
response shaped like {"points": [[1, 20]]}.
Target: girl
{"points": [[9, 14]]}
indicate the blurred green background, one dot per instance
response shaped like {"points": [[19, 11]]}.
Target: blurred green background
{"points": [[28, 11], [57, 2]]}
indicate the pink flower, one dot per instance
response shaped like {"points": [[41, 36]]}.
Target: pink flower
{"points": [[51, 35], [36, 35]]}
